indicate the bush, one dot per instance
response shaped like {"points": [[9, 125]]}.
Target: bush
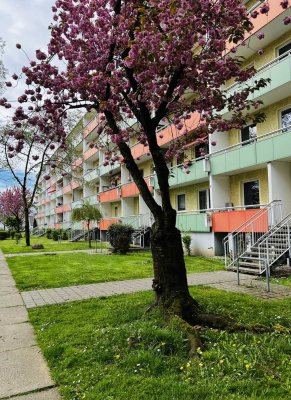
{"points": [[55, 234], [64, 235], [49, 233], [187, 243], [4, 235], [37, 246], [17, 236], [120, 237]]}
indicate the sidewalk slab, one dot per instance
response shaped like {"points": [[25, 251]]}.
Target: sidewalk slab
{"points": [[22, 371], [50, 394], [13, 315], [16, 336], [11, 300]]}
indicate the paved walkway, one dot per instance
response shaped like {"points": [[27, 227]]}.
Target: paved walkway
{"points": [[24, 374], [219, 279], [47, 253]]}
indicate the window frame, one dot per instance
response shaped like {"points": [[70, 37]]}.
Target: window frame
{"points": [[207, 190], [243, 193], [178, 196]]}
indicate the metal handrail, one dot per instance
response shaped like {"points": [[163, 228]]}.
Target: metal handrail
{"points": [[257, 139], [265, 66]]}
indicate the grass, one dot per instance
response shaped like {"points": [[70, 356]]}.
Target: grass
{"points": [[109, 349], [76, 269], [286, 281], [8, 246]]}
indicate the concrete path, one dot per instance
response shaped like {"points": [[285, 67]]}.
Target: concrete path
{"points": [[47, 253], [219, 279], [24, 374]]}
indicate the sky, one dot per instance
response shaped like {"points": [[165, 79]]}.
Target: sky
{"points": [[25, 22]]}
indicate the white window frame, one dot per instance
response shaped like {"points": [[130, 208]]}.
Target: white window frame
{"points": [[243, 192], [207, 198], [181, 194]]}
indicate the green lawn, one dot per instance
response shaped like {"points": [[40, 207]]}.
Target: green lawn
{"points": [[9, 245], [282, 281], [76, 269], [110, 349]]}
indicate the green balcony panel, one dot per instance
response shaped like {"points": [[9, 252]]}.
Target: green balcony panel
{"points": [[188, 222], [92, 175], [77, 204], [91, 199], [265, 149], [179, 178]]}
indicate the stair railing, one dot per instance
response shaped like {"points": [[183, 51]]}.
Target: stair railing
{"points": [[274, 244], [247, 234]]}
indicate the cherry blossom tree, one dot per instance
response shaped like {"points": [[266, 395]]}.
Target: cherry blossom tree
{"points": [[11, 205], [154, 62]]}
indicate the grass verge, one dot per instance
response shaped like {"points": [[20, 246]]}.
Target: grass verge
{"points": [[8, 246], [76, 269], [109, 349]]}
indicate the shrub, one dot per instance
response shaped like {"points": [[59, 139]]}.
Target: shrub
{"points": [[17, 236], [120, 237], [37, 246], [64, 235], [55, 234], [49, 233], [4, 235], [187, 243]]}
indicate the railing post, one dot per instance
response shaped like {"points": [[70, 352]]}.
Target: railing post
{"points": [[267, 278], [289, 245]]}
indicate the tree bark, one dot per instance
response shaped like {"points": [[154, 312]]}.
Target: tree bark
{"points": [[26, 225], [170, 278]]}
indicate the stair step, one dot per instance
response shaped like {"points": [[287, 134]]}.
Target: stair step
{"points": [[243, 270]]}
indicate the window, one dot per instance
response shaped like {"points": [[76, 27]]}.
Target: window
{"points": [[284, 50], [251, 193], [203, 199], [181, 200], [201, 149], [115, 211], [248, 133], [286, 119], [180, 159]]}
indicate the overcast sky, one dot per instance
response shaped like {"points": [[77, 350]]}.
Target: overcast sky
{"points": [[25, 22]]}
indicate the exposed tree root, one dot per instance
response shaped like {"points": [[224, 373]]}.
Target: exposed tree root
{"points": [[193, 336]]}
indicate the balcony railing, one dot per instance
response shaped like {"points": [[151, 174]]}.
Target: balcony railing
{"points": [[92, 175], [272, 146]]}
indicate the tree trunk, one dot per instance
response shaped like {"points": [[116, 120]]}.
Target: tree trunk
{"points": [[26, 226], [170, 279], [89, 237]]}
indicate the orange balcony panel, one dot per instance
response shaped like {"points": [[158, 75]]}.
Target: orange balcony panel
{"points": [[77, 163], [110, 195], [131, 190], [63, 208], [92, 125], [105, 223], [89, 153], [166, 135], [71, 186], [51, 183], [229, 221], [58, 226]]}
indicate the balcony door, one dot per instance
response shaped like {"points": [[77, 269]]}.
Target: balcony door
{"points": [[248, 133], [203, 200], [251, 194]]}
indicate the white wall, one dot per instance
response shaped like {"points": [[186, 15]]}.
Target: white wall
{"points": [[219, 191], [279, 179], [202, 244], [221, 139]]}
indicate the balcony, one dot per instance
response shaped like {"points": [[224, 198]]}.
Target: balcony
{"points": [[131, 190], [77, 140], [106, 222], [77, 204], [192, 221], [279, 71], [90, 153], [62, 209], [229, 221], [90, 126], [93, 200], [104, 170], [110, 195], [70, 187], [92, 175], [270, 147]]}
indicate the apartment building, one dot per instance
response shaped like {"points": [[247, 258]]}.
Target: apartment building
{"points": [[246, 171]]}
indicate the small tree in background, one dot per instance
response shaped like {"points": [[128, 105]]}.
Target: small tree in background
{"points": [[12, 208], [186, 238], [88, 214], [120, 237]]}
